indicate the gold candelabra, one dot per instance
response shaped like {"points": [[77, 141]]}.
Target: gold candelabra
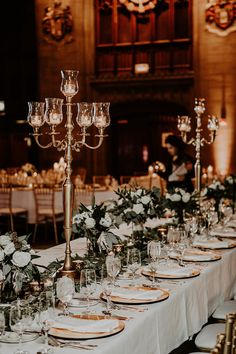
{"points": [[184, 126], [89, 114]]}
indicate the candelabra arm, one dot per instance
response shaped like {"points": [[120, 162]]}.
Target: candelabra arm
{"points": [[36, 135], [185, 139], [101, 136], [212, 139]]}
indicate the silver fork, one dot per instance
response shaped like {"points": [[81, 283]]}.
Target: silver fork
{"points": [[56, 343]]}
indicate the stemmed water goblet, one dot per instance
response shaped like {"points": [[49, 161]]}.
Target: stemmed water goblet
{"points": [[20, 320], [2, 323], [113, 265], [46, 317], [154, 252], [88, 285], [133, 260]]}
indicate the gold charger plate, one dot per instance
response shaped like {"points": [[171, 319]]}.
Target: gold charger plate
{"points": [[194, 273], [232, 244], [212, 256], [67, 334], [121, 300]]}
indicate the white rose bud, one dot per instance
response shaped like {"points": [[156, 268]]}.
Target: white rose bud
{"points": [[138, 208], [9, 249], [90, 223], [21, 259], [4, 240], [145, 199], [186, 197], [106, 221], [175, 198]]}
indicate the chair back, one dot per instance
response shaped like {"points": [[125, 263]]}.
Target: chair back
{"points": [[6, 198], [229, 333], [99, 180], [44, 201], [143, 181], [219, 348], [82, 196]]}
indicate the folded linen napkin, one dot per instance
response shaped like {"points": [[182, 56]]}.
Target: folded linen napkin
{"points": [[83, 326], [185, 272], [224, 232], [137, 294], [124, 230], [213, 243], [194, 257]]}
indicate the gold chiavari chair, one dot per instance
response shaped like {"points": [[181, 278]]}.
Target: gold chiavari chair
{"points": [[143, 181], [99, 181], [6, 208], [46, 210], [127, 180], [229, 331], [83, 196]]}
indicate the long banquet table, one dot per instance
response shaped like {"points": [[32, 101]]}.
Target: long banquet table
{"points": [[165, 325], [24, 198]]}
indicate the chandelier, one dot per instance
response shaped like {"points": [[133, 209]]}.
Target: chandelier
{"points": [[140, 6]]}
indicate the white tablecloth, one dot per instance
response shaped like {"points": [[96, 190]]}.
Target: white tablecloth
{"points": [[25, 199], [166, 324]]}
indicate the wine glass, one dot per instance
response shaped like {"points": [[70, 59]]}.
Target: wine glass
{"points": [[113, 265], [154, 251], [227, 212], [20, 320], [107, 290], [2, 323], [193, 228], [88, 285], [202, 224], [133, 260], [46, 317]]}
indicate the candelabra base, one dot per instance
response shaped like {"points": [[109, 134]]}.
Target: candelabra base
{"points": [[71, 273]]}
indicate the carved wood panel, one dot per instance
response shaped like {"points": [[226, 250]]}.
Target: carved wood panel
{"points": [[161, 38]]}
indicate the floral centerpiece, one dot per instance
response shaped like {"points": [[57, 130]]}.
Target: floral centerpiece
{"points": [[177, 201], [28, 168], [95, 222], [16, 264]]}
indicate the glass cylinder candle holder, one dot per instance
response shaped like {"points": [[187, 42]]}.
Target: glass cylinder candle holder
{"points": [[36, 114], [85, 114], [101, 115], [69, 83], [53, 112]]}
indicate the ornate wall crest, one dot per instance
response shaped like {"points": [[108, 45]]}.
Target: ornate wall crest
{"points": [[57, 24], [221, 16], [140, 6]]}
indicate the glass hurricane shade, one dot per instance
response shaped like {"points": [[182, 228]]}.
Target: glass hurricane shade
{"points": [[36, 114], [53, 113], [101, 116], [69, 82]]}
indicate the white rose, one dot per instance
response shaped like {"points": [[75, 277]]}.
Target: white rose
{"points": [[106, 221], [21, 259], [128, 210], [168, 196], [145, 199], [186, 197], [90, 223], [120, 202], [222, 188], [4, 240], [132, 194], [76, 219], [175, 197], [139, 192], [2, 255], [182, 191], [204, 192], [9, 249], [230, 180], [138, 208]]}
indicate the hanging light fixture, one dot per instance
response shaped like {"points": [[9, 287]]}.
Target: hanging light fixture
{"points": [[140, 6]]}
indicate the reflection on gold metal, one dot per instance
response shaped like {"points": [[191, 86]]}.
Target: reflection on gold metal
{"points": [[89, 114], [184, 125]]}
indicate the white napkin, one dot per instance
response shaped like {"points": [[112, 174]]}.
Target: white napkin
{"points": [[224, 232], [197, 257], [176, 271], [137, 294], [79, 325], [213, 243]]}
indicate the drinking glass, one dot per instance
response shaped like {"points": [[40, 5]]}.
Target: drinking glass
{"points": [[133, 260], [227, 212], [88, 285], [46, 317], [107, 290], [113, 265], [2, 323], [65, 293], [154, 252], [20, 320], [172, 237]]}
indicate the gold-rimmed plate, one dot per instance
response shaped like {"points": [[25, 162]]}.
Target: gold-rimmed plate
{"points": [[68, 334], [193, 273], [162, 295], [215, 245], [198, 256]]}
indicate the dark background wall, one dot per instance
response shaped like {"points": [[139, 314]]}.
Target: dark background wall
{"points": [[185, 61]]}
